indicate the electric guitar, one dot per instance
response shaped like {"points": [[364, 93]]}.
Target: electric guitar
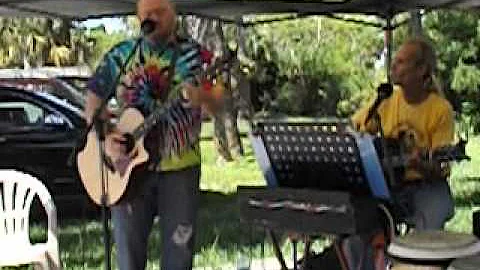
{"points": [[117, 168]]}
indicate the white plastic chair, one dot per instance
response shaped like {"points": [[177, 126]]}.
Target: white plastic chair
{"points": [[17, 191]]}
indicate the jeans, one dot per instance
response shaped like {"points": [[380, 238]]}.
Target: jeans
{"points": [[427, 205], [174, 196]]}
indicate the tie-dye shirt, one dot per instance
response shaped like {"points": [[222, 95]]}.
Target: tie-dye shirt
{"points": [[174, 141]]}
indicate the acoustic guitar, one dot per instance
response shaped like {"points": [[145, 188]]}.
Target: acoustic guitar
{"points": [[117, 169]]}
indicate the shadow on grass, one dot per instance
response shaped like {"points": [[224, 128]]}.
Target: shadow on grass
{"points": [[219, 223], [219, 227]]}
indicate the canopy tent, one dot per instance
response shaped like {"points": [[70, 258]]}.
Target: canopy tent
{"points": [[85, 9], [231, 10]]}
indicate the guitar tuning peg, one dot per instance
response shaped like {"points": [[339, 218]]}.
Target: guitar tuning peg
{"points": [[462, 140], [462, 137], [461, 147], [464, 128]]}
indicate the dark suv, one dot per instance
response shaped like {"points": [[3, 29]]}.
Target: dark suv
{"points": [[38, 133]]}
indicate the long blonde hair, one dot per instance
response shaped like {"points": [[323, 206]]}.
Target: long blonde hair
{"points": [[426, 56]]}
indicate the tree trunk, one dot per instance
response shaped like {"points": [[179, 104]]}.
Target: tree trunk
{"points": [[220, 137], [231, 111], [231, 116], [204, 32], [25, 49]]}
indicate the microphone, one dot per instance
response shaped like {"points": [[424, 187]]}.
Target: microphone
{"points": [[147, 27], [384, 91]]}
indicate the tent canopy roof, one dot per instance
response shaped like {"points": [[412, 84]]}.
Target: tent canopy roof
{"points": [[227, 9]]}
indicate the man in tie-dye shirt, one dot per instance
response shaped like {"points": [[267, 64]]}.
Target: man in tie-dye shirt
{"points": [[171, 185]]}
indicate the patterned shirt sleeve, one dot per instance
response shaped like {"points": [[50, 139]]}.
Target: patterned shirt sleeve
{"points": [[193, 59], [103, 80]]}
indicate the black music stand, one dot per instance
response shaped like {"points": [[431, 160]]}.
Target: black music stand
{"points": [[321, 156]]}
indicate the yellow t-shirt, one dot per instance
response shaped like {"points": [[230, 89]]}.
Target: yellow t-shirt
{"points": [[429, 124]]}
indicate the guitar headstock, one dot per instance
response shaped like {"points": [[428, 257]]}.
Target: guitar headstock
{"points": [[218, 65], [455, 152], [461, 145]]}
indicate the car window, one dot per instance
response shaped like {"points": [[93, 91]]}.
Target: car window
{"points": [[80, 83], [25, 114], [66, 90]]}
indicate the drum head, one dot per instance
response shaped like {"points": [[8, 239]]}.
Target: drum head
{"points": [[434, 245], [467, 263]]}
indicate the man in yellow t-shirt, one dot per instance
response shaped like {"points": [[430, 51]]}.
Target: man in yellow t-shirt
{"points": [[419, 115], [425, 126]]}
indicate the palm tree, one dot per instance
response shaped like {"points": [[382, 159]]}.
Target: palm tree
{"points": [[39, 41]]}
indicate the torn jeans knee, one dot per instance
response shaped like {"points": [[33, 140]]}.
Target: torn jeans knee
{"points": [[182, 234]]}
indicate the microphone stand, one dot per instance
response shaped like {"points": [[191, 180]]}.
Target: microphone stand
{"points": [[385, 90], [386, 152], [99, 126]]}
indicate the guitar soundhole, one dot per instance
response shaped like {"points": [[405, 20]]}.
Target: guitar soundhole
{"points": [[129, 142]]}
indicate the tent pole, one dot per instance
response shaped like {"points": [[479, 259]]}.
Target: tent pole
{"points": [[388, 45]]}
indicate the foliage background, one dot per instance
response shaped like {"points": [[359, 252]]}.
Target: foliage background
{"points": [[314, 66]]}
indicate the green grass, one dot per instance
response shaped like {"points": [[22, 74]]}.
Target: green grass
{"points": [[221, 237], [465, 183]]}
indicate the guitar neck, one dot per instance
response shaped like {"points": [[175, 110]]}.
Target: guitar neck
{"points": [[158, 113], [442, 154], [449, 153], [149, 122]]}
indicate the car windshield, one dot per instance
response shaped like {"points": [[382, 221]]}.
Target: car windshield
{"points": [[77, 94], [61, 101], [80, 83], [59, 88]]}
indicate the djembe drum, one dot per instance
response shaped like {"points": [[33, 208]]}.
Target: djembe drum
{"points": [[431, 250]]}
